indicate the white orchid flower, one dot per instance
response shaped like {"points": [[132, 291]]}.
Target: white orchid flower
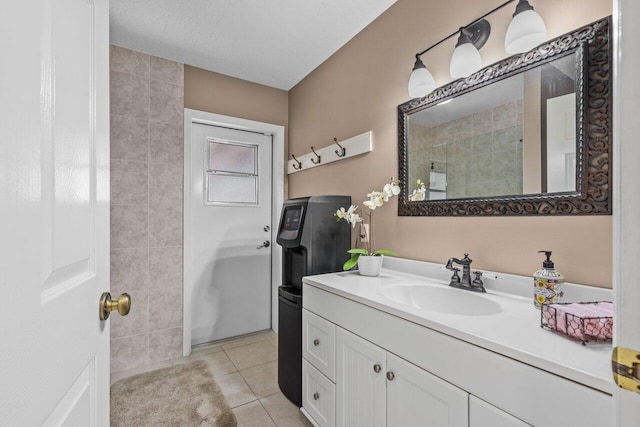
{"points": [[341, 214], [376, 199], [395, 188], [355, 218], [349, 215], [391, 189]]}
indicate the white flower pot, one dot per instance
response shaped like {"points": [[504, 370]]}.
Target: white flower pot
{"points": [[370, 265]]}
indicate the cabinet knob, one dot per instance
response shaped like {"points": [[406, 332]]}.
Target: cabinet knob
{"points": [[316, 342], [376, 368], [316, 396], [390, 376]]}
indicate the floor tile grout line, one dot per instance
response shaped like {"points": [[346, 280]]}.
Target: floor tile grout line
{"points": [[268, 413], [256, 366], [231, 360], [242, 345]]}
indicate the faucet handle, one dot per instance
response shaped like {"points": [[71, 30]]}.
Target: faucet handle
{"points": [[455, 278], [477, 284], [478, 279]]}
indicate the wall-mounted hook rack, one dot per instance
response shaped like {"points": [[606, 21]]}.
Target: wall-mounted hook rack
{"points": [[297, 165], [317, 160], [342, 152], [356, 145]]}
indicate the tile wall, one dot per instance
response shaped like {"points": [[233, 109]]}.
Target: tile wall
{"points": [[147, 104], [481, 154]]}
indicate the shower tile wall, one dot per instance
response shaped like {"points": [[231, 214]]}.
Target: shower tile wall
{"points": [[147, 104], [481, 154]]}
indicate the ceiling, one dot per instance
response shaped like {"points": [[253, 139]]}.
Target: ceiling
{"points": [[271, 42]]}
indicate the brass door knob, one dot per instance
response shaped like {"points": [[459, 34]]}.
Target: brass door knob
{"points": [[107, 305]]}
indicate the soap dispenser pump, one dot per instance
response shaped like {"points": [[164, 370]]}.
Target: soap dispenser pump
{"points": [[547, 283]]}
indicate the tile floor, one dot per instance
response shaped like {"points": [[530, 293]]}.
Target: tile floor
{"points": [[246, 369]]}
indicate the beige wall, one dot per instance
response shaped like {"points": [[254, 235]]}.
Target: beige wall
{"points": [[216, 93], [146, 207], [359, 88]]}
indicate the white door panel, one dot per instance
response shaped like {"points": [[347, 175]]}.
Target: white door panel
{"points": [[54, 191], [230, 278]]}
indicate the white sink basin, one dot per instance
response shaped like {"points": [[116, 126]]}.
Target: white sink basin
{"points": [[442, 299]]}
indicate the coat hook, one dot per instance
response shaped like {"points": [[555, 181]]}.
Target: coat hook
{"points": [[299, 166], [344, 150], [317, 160]]}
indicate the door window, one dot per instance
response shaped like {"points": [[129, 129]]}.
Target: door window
{"points": [[231, 173]]}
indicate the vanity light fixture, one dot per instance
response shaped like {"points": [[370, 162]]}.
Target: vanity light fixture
{"points": [[421, 81], [525, 31], [466, 58]]}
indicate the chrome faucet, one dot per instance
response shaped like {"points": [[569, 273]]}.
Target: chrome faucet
{"points": [[465, 282]]}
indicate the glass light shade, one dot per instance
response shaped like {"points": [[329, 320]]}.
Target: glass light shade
{"points": [[465, 61], [421, 83], [526, 31]]}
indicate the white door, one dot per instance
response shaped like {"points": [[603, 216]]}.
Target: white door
{"points": [[54, 212], [228, 232], [360, 382], [417, 398], [626, 209]]}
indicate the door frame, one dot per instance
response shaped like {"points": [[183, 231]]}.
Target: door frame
{"points": [[277, 198]]}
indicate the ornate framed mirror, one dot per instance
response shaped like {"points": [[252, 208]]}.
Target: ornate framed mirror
{"points": [[529, 135]]}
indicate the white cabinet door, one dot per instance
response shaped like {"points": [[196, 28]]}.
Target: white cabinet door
{"points": [[417, 398], [482, 414], [360, 382]]}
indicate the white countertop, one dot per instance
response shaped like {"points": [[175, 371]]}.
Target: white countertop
{"points": [[514, 332]]}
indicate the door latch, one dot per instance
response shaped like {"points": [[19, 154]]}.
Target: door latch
{"points": [[625, 364]]}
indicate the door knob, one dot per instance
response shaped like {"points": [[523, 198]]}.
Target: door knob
{"points": [[376, 368], [390, 376], [107, 305], [264, 244]]}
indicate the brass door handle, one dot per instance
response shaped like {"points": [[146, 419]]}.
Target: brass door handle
{"points": [[107, 305]]}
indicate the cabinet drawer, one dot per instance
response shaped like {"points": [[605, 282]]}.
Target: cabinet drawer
{"points": [[318, 396], [319, 343]]}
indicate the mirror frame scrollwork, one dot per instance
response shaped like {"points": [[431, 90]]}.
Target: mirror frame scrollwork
{"points": [[593, 195]]}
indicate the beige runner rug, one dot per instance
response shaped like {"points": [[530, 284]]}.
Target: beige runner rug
{"points": [[182, 395]]}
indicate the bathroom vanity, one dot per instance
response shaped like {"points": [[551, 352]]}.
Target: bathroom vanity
{"points": [[405, 349]]}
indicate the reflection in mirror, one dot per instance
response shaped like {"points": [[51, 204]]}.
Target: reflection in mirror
{"points": [[516, 136]]}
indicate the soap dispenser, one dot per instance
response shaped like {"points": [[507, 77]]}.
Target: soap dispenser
{"points": [[547, 283]]}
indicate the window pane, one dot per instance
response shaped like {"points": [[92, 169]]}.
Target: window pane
{"points": [[232, 189], [227, 157]]}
